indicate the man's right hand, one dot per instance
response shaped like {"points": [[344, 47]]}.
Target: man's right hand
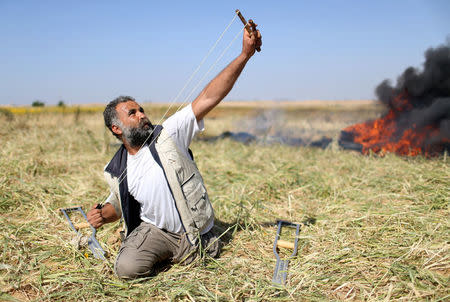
{"points": [[251, 42], [95, 217]]}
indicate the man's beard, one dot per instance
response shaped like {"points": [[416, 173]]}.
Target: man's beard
{"points": [[137, 136]]}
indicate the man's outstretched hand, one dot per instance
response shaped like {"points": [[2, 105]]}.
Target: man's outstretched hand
{"points": [[251, 42]]}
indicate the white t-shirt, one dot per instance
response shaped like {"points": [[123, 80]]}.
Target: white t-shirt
{"points": [[146, 180]]}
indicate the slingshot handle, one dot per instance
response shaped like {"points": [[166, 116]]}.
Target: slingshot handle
{"points": [[286, 244], [249, 26]]}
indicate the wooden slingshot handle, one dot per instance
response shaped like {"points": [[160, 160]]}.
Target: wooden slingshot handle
{"points": [[286, 244], [249, 26]]}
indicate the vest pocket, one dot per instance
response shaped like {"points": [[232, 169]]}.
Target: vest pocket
{"points": [[197, 200], [187, 180]]}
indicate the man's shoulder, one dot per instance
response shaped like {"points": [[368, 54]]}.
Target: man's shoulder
{"points": [[178, 118], [118, 162], [164, 137]]}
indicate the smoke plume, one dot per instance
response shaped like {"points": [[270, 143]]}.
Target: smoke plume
{"points": [[427, 91]]}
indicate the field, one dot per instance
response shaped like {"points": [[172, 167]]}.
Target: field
{"points": [[381, 229]]}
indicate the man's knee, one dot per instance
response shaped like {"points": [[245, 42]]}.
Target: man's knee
{"points": [[127, 266]]}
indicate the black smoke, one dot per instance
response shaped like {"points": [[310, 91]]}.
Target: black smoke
{"points": [[428, 92], [423, 87]]}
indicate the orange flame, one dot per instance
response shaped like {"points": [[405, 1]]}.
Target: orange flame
{"points": [[383, 135]]}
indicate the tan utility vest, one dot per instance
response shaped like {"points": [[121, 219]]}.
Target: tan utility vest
{"points": [[186, 184]]}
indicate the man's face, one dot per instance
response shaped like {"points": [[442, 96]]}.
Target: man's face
{"points": [[135, 126]]}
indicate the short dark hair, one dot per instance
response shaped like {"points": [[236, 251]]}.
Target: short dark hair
{"points": [[110, 113]]}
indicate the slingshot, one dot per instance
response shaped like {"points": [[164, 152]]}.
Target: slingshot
{"points": [[93, 244], [281, 267]]}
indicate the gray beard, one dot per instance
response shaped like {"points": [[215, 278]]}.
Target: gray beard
{"points": [[136, 137]]}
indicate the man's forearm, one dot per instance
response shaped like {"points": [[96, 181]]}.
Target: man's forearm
{"points": [[109, 213], [219, 87]]}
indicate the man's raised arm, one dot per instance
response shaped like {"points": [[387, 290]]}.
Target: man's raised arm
{"points": [[221, 85]]}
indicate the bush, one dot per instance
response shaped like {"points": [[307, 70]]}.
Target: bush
{"points": [[38, 103]]}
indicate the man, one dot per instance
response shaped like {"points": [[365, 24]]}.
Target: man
{"points": [[157, 189]]}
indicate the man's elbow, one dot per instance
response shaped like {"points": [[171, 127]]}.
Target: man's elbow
{"points": [[202, 106]]}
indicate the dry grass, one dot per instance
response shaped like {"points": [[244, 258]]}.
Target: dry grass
{"points": [[381, 233]]}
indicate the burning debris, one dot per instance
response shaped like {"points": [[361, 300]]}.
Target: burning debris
{"points": [[418, 117]]}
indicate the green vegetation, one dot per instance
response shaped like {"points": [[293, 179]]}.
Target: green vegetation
{"points": [[37, 103], [381, 232]]}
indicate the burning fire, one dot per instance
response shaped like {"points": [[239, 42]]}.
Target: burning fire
{"points": [[385, 134], [418, 117]]}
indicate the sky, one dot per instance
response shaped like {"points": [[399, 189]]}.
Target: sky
{"points": [[93, 51]]}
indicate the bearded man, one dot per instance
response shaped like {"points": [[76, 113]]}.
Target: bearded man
{"points": [[155, 184]]}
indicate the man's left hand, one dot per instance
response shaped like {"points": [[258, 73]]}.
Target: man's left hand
{"points": [[95, 217]]}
